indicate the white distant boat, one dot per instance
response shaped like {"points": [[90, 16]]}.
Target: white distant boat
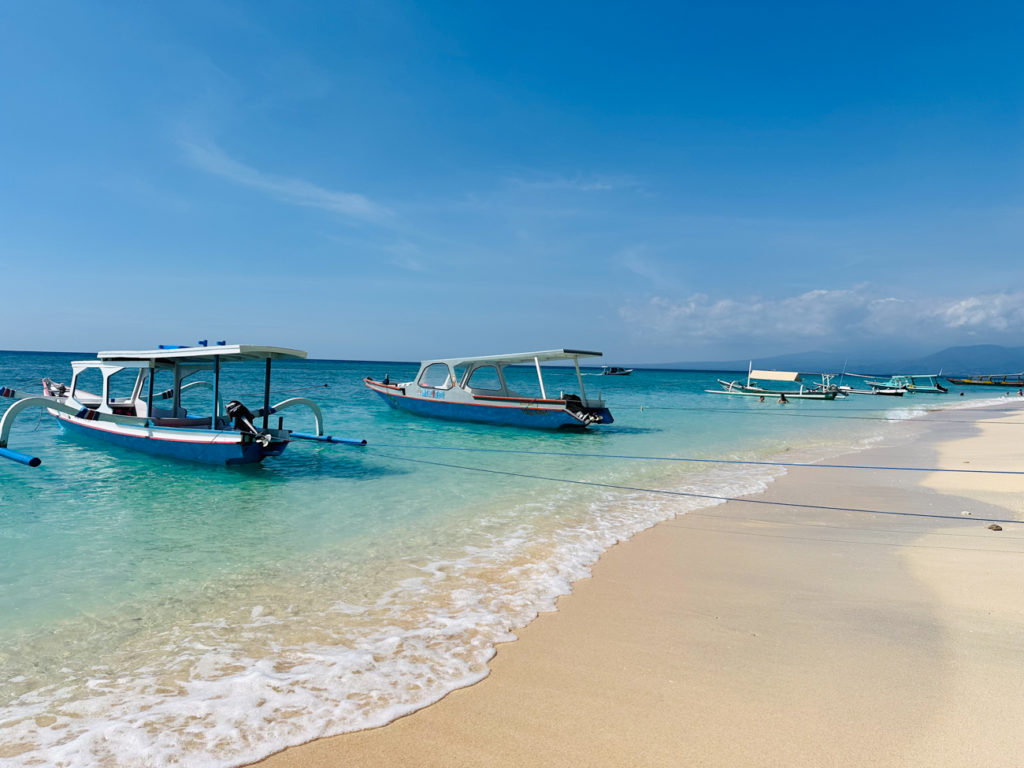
{"points": [[750, 389], [612, 370]]}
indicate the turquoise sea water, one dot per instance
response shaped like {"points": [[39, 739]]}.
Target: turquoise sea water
{"points": [[156, 612]]}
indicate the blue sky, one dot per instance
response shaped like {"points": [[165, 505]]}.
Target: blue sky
{"points": [[392, 180]]}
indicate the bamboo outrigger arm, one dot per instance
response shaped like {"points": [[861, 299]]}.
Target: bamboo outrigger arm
{"points": [[38, 401], [7, 421], [291, 402], [318, 419]]}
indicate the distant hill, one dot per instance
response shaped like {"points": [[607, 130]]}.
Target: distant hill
{"points": [[980, 358], [976, 359]]}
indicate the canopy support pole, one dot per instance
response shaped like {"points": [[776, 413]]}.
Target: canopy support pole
{"points": [[149, 400], [540, 379], [176, 404], [579, 378], [216, 390], [266, 397]]}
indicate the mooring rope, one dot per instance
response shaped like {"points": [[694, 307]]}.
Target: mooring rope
{"points": [[803, 415], [899, 545], [692, 494], [572, 454], [278, 392]]}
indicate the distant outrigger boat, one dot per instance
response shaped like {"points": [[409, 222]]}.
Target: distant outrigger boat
{"points": [[826, 385], [890, 391], [475, 389], [750, 389], [613, 371], [1007, 380], [913, 383], [229, 435]]}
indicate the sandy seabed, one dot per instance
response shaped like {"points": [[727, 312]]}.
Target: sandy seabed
{"points": [[756, 634]]}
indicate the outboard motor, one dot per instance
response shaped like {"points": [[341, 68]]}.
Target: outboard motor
{"points": [[574, 405], [244, 421], [243, 417]]}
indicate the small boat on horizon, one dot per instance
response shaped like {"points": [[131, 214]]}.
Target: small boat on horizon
{"points": [[475, 389], [229, 435], [615, 371]]}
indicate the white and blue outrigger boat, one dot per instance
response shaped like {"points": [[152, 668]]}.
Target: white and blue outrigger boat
{"points": [[475, 389], [229, 435], [916, 383]]}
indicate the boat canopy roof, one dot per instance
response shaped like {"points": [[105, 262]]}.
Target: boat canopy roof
{"points": [[775, 375], [516, 358], [895, 375], [204, 354]]}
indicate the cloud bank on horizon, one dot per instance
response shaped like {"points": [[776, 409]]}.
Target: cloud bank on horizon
{"points": [[396, 180], [858, 318]]}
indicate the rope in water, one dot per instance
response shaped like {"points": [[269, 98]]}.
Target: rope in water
{"points": [[692, 460], [277, 392], [911, 404], [689, 494], [797, 414]]}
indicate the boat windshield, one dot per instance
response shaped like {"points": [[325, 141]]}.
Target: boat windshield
{"points": [[436, 376], [486, 378], [89, 381]]}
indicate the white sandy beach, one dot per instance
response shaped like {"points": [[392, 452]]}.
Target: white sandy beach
{"points": [[763, 635]]}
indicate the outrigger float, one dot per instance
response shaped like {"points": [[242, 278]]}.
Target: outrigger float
{"points": [[229, 435], [475, 389]]}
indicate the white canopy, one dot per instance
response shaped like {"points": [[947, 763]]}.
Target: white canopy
{"points": [[205, 354], [517, 358], [775, 375]]}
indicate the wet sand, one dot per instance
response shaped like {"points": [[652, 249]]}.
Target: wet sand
{"points": [[758, 634]]}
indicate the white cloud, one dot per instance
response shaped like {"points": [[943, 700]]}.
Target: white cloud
{"points": [[858, 312], [998, 312], [212, 159], [579, 183], [635, 260]]}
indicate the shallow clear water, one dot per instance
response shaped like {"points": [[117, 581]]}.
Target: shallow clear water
{"points": [[156, 612]]}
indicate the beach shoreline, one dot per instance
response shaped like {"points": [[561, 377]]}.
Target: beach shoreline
{"points": [[755, 633]]}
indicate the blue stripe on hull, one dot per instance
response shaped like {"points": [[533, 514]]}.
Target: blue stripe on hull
{"points": [[206, 453], [535, 418]]}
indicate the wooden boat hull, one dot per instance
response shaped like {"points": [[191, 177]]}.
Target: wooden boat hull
{"points": [[535, 414], [202, 446], [1004, 383]]}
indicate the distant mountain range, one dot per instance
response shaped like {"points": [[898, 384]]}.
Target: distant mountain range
{"points": [[976, 359]]}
